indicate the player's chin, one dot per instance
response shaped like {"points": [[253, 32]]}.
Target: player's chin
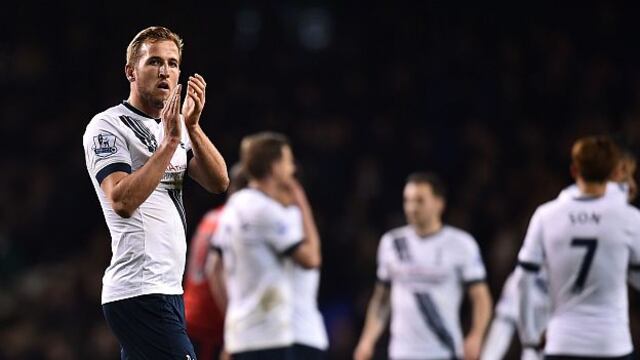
{"points": [[158, 102], [160, 98]]}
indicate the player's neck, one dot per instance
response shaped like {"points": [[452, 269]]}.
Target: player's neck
{"points": [[267, 186], [138, 103], [428, 229], [591, 188]]}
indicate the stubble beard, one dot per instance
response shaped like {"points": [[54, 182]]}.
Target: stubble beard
{"points": [[155, 102]]}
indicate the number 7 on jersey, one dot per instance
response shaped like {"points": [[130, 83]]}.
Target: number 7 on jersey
{"points": [[591, 244]]}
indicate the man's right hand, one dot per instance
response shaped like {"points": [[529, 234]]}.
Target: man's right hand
{"points": [[364, 351], [170, 116], [297, 192]]}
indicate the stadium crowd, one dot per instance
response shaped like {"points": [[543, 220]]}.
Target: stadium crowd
{"points": [[491, 99]]}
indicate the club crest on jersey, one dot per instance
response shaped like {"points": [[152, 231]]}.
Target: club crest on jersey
{"points": [[104, 144]]}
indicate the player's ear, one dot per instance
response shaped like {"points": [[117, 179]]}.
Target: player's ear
{"points": [[129, 73], [442, 204], [573, 169]]}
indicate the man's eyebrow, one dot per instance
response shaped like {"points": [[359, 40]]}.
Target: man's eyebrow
{"points": [[156, 57]]}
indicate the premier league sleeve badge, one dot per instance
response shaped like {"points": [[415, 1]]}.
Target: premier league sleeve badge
{"points": [[104, 144]]}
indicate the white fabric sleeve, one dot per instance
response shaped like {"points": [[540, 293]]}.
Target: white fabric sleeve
{"points": [[531, 255], [498, 339], [634, 252], [507, 306], [384, 252], [633, 228], [472, 265], [284, 228], [528, 330], [106, 149]]}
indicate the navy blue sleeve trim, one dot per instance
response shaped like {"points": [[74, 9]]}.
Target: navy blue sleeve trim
{"points": [[527, 266], [291, 249], [536, 347], [634, 267], [507, 319], [110, 169], [469, 283]]}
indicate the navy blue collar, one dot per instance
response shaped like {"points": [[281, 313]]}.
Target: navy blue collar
{"points": [[138, 112], [587, 197], [430, 235]]}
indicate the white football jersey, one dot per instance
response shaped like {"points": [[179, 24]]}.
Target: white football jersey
{"points": [[255, 234], [506, 317], [615, 190], [149, 248], [586, 245], [427, 276], [308, 325]]}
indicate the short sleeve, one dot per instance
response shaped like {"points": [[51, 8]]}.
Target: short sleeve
{"points": [[633, 229], [383, 272], [284, 229], [472, 270], [507, 306], [106, 150], [531, 255]]}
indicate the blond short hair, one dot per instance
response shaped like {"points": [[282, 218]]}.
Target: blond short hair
{"points": [[152, 34]]}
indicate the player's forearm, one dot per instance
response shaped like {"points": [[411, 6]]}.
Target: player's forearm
{"points": [[215, 279], [134, 189], [482, 309], [377, 316], [498, 339], [311, 233], [209, 168], [307, 255]]}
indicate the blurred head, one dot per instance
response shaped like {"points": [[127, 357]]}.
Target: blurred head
{"points": [[237, 179], [268, 155], [424, 199], [153, 64], [594, 158], [625, 171]]}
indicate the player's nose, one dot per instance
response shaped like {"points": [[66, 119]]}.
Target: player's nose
{"points": [[163, 71]]}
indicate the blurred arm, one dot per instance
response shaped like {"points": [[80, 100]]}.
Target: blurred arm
{"points": [[375, 322], [481, 305], [215, 276], [527, 329], [308, 253], [498, 339]]}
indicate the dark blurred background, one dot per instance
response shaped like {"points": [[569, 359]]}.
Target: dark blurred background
{"points": [[491, 97]]}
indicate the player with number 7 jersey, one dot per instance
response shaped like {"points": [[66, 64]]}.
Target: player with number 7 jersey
{"points": [[587, 242]]}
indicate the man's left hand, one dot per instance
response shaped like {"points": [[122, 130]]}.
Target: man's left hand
{"points": [[194, 101]]}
